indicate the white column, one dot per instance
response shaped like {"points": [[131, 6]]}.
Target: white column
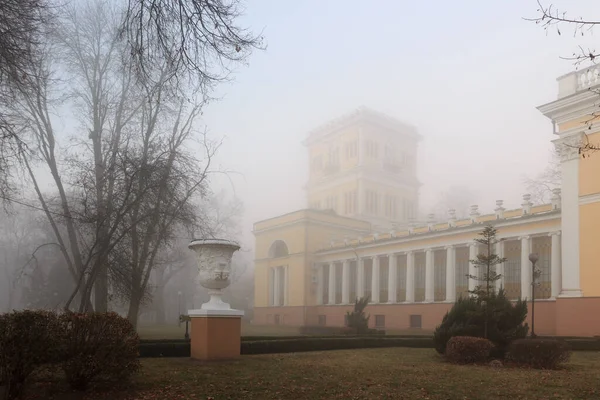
{"points": [[346, 282], [525, 267], [392, 278], [285, 285], [375, 280], [569, 156], [320, 285], [450, 274], [473, 247], [555, 270], [429, 277], [331, 283], [410, 277], [360, 281], [500, 267], [277, 280], [271, 272]]}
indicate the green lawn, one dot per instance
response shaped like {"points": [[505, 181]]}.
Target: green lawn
{"points": [[397, 373]]}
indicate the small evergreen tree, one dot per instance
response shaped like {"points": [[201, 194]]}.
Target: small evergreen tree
{"points": [[357, 319], [486, 261], [506, 321]]}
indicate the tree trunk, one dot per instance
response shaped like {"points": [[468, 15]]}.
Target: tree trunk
{"points": [[159, 305], [101, 290], [134, 309]]}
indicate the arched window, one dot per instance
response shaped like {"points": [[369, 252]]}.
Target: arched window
{"points": [[278, 249]]}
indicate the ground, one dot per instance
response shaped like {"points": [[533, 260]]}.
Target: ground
{"points": [[178, 332], [397, 373]]}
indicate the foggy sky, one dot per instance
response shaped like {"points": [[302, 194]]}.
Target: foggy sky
{"points": [[468, 74]]}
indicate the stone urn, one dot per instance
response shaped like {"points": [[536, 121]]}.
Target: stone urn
{"points": [[214, 268]]}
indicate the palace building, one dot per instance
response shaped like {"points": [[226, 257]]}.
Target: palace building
{"points": [[359, 236]]}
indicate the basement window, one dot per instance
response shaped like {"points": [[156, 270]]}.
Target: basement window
{"points": [[415, 321]]}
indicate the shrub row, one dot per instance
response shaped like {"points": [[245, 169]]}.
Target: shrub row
{"points": [[316, 344], [86, 346], [181, 348], [335, 330], [287, 345]]}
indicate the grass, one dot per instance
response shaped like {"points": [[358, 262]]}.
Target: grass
{"points": [[398, 373], [178, 332]]}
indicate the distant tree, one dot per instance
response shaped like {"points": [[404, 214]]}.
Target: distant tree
{"points": [[540, 187], [455, 197], [358, 319], [486, 262]]}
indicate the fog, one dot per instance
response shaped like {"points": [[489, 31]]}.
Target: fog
{"points": [[468, 74]]}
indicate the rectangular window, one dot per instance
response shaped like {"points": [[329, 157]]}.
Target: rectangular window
{"points": [[322, 320], [276, 319], [372, 200], [345, 320], [349, 202], [380, 321], [415, 321]]}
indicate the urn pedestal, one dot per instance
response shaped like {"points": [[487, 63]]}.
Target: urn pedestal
{"points": [[215, 335], [216, 327]]}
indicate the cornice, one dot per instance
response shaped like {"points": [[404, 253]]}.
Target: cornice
{"points": [[570, 107]]}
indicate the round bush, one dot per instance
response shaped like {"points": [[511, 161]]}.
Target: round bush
{"points": [[539, 353], [468, 350], [28, 339], [98, 345]]}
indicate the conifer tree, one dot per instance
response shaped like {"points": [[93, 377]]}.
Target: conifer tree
{"points": [[486, 261], [357, 319]]}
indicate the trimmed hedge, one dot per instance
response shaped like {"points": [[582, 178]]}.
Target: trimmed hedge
{"points": [[316, 344], [539, 353], [286, 345], [181, 348], [468, 350]]}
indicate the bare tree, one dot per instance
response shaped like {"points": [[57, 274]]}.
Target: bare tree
{"points": [[21, 24], [94, 195], [171, 178], [199, 38], [214, 216], [540, 187], [456, 197]]}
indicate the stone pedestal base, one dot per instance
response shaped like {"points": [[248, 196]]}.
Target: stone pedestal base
{"points": [[216, 334]]}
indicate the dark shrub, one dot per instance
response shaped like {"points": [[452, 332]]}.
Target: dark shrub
{"points": [[28, 339], [322, 344], [166, 348], [539, 353], [325, 330], [468, 350], [98, 345], [506, 322], [357, 320]]}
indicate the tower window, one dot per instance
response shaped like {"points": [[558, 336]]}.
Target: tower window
{"points": [[372, 149], [371, 202]]}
